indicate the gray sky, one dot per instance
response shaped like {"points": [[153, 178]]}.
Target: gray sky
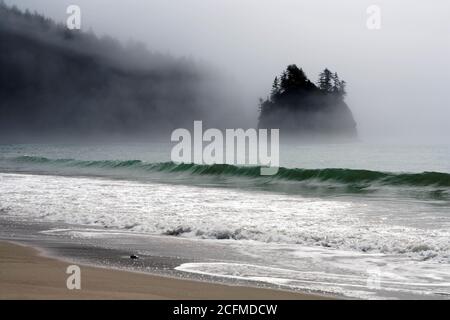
{"points": [[398, 77]]}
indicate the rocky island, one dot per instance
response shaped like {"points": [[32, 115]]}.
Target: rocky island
{"points": [[298, 107]]}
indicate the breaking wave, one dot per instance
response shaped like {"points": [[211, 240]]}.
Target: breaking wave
{"points": [[336, 175]]}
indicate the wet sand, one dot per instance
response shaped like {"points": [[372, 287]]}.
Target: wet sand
{"points": [[26, 274]]}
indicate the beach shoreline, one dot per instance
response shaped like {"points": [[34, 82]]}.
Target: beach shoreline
{"points": [[324, 252], [26, 273]]}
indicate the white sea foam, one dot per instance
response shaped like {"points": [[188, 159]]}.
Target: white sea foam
{"points": [[408, 240], [215, 213], [333, 280]]}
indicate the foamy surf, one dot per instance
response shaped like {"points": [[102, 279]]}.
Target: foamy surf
{"points": [[229, 214], [316, 229]]}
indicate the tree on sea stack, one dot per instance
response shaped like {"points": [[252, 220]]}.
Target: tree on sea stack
{"points": [[275, 88], [338, 86], [325, 80]]}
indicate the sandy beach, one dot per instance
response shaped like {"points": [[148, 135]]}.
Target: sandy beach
{"points": [[26, 274]]}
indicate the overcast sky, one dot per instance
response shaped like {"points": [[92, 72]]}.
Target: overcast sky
{"points": [[398, 77]]}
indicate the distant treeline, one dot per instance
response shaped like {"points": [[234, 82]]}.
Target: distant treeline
{"points": [[56, 82], [59, 81], [297, 105]]}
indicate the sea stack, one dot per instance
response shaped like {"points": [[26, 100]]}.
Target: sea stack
{"points": [[300, 108]]}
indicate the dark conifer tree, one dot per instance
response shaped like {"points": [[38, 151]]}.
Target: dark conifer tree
{"points": [[283, 82], [275, 89], [325, 81], [336, 83]]}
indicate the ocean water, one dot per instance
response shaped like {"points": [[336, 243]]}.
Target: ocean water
{"points": [[362, 220]]}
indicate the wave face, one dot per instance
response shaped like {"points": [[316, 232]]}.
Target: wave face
{"points": [[349, 177]]}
